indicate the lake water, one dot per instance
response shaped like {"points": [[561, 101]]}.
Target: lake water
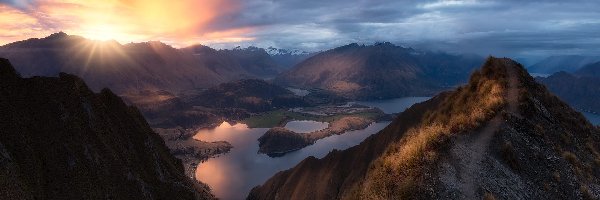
{"points": [[593, 118], [233, 175], [539, 75], [306, 126], [299, 92]]}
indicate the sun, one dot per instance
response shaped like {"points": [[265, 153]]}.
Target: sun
{"points": [[104, 32]]}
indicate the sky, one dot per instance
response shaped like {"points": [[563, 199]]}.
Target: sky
{"points": [[532, 28]]}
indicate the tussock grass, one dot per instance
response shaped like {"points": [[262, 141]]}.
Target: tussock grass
{"points": [[488, 196], [397, 174]]}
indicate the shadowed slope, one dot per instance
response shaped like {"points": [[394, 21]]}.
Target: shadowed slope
{"points": [[59, 140], [136, 66]]}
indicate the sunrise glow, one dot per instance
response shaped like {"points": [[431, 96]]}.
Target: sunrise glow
{"points": [[179, 22]]}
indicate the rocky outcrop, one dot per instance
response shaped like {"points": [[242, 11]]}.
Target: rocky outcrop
{"points": [[59, 140]]}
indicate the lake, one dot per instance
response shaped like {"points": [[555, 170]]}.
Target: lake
{"points": [[539, 75], [233, 175], [593, 118]]}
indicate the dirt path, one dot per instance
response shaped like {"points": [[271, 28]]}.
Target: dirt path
{"points": [[470, 152]]}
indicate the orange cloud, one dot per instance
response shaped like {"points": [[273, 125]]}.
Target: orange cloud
{"points": [[180, 21]]}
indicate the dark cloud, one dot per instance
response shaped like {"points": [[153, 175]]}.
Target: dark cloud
{"points": [[515, 28], [508, 28]]}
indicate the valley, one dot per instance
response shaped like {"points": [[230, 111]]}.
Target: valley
{"points": [[299, 100], [426, 154], [251, 168]]}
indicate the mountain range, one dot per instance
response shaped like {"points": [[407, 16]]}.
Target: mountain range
{"points": [[501, 136], [288, 58], [567, 63], [581, 89], [137, 66], [380, 71]]}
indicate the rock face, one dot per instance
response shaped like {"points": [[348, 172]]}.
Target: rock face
{"points": [[501, 136], [136, 66], [59, 140], [380, 71]]}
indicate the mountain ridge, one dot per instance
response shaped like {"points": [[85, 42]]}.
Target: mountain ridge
{"points": [[136, 66], [427, 154], [59, 140], [379, 71]]}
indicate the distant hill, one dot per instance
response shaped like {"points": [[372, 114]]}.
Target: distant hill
{"points": [[380, 71], [59, 140], [501, 136], [592, 69], [581, 90], [569, 63], [250, 94], [136, 66]]}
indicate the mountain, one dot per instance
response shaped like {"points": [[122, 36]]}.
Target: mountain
{"points": [[59, 140], [136, 66], [250, 62], [288, 58], [379, 71], [568, 63], [581, 90], [592, 69], [501, 136]]}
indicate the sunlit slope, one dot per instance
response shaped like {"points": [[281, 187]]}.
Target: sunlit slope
{"points": [[502, 135]]}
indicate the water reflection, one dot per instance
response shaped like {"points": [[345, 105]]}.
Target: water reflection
{"points": [[299, 92], [231, 176], [306, 126]]}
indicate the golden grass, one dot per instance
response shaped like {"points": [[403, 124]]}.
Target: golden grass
{"points": [[396, 175], [488, 196]]}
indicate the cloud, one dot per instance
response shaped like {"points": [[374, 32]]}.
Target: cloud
{"points": [[123, 20], [504, 28]]}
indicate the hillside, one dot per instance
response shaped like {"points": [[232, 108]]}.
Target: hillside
{"points": [[136, 66], [501, 136], [592, 69], [380, 71], [581, 89], [250, 94], [59, 140], [568, 63]]}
